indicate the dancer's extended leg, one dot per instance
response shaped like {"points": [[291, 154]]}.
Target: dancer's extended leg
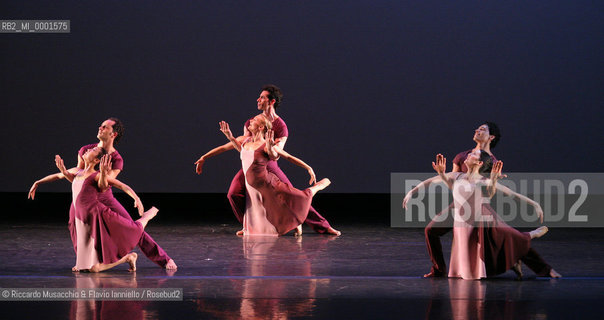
{"points": [[314, 220], [147, 215], [440, 225]]}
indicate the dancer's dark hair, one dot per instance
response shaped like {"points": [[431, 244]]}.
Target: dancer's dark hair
{"points": [[493, 131], [487, 164], [102, 153], [118, 127], [274, 93]]}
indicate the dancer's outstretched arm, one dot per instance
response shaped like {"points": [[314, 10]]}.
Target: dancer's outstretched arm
{"points": [[47, 179], [509, 192], [440, 167], [273, 148], [53, 177], [421, 185], [216, 151], [109, 181]]}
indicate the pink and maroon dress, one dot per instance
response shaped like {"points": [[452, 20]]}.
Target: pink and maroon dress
{"points": [[237, 191], [272, 206], [147, 245], [102, 235]]}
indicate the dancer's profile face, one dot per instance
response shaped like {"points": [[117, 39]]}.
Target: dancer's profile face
{"points": [[481, 134], [106, 130], [263, 101]]}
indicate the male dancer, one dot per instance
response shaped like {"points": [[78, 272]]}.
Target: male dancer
{"points": [[268, 101], [110, 132]]}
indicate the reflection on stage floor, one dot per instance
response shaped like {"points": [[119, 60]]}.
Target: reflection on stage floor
{"points": [[371, 272]]}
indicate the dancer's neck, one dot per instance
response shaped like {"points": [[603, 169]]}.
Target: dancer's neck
{"points": [[258, 136], [107, 145], [474, 173], [89, 168], [484, 146], [270, 113]]}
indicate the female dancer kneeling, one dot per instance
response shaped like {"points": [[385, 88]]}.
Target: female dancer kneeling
{"points": [[483, 244], [104, 238], [272, 207]]}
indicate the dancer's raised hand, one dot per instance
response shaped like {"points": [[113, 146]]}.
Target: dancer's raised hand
{"points": [[440, 165], [59, 163], [496, 171], [224, 127], [105, 165]]}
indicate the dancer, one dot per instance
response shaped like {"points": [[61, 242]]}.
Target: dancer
{"points": [[486, 137], [104, 238], [268, 101], [273, 207], [477, 230], [109, 134]]}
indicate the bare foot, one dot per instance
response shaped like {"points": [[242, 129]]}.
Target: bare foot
{"points": [[171, 265], [239, 233], [554, 274], [434, 274], [132, 256], [298, 231], [74, 269], [517, 268], [539, 232], [333, 231], [148, 215], [324, 183]]}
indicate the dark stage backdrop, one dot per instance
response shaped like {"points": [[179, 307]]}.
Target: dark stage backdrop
{"points": [[371, 87]]}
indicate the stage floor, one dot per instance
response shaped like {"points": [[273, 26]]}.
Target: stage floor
{"points": [[371, 272]]}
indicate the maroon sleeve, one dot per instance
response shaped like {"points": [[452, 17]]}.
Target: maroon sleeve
{"points": [[85, 148], [280, 128], [460, 158], [117, 162]]}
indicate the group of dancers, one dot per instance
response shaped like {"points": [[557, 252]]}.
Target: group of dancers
{"points": [[265, 202]]}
